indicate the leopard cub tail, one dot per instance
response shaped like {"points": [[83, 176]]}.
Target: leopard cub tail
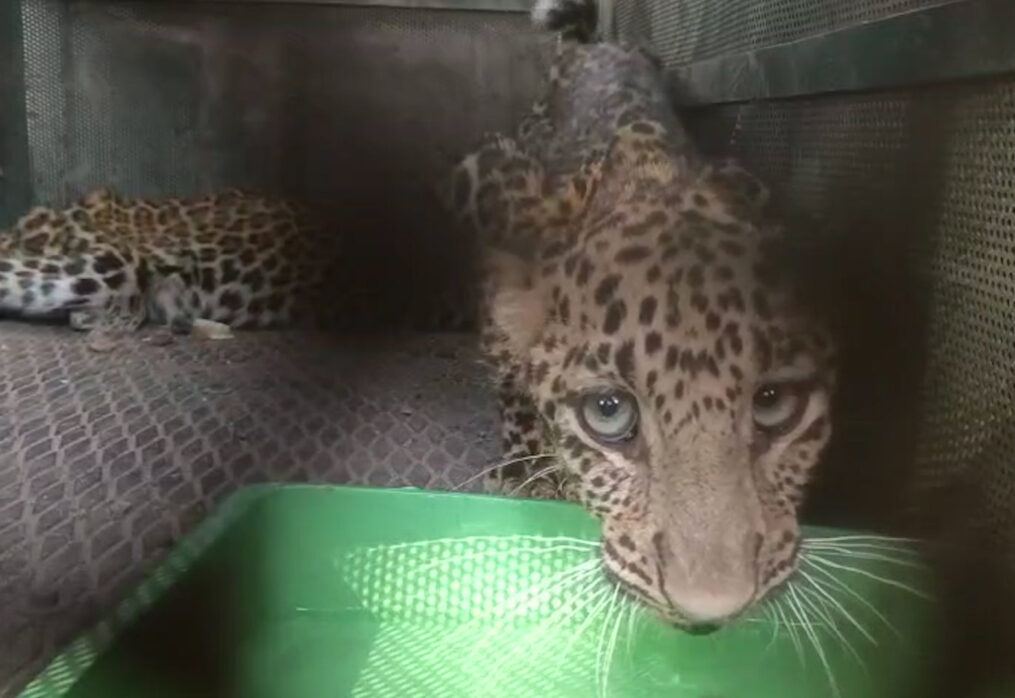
{"points": [[574, 20]]}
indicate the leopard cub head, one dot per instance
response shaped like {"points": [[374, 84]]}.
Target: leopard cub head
{"points": [[687, 394]]}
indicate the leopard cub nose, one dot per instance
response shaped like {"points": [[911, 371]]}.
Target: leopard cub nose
{"points": [[704, 608]]}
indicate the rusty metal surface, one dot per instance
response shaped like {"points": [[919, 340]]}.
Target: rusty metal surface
{"points": [[107, 459]]}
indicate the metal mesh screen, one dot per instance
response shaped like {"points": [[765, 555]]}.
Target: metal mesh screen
{"points": [[683, 31], [105, 464], [320, 101]]}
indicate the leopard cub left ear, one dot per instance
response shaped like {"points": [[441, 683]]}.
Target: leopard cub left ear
{"points": [[516, 300]]}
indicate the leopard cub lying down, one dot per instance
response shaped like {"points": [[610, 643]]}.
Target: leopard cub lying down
{"points": [[111, 263]]}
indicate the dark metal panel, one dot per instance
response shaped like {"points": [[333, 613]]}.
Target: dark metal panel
{"points": [[14, 189], [339, 103], [480, 5], [971, 39]]}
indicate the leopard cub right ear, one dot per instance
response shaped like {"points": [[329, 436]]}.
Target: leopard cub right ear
{"points": [[516, 300]]}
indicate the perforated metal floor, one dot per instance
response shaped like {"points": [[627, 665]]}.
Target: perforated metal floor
{"points": [[106, 459]]}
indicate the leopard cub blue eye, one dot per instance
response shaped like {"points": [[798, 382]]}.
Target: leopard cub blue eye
{"points": [[778, 407], [609, 416]]}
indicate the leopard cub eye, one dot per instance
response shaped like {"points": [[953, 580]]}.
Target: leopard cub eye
{"points": [[778, 407], [609, 416]]}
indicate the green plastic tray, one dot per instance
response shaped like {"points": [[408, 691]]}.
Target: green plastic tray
{"points": [[308, 592]]}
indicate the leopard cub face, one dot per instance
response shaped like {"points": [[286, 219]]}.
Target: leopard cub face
{"points": [[687, 397]]}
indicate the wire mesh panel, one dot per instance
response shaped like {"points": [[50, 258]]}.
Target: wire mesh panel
{"points": [[104, 464], [321, 101], [682, 31]]}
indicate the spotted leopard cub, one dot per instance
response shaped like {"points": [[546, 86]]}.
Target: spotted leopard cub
{"points": [[641, 331], [110, 263]]}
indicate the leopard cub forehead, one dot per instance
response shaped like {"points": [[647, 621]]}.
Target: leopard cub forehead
{"points": [[670, 281]]}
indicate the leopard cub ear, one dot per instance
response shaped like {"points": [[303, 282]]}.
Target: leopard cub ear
{"points": [[516, 301], [733, 181]]}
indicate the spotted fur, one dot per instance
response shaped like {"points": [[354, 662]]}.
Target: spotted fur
{"points": [[617, 259], [110, 263]]}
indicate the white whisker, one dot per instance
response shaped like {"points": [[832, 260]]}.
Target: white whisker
{"points": [[600, 669], [819, 588], [900, 546], [813, 602], [558, 617], [774, 620], [909, 550], [849, 590], [632, 618], [560, 614], [895, 549], [612, 648], [535, 476], [536, 592], [870, 575], [864, 537], [502, 464], [813, 636], [604, 595], [791, 631], [861, 555]]}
